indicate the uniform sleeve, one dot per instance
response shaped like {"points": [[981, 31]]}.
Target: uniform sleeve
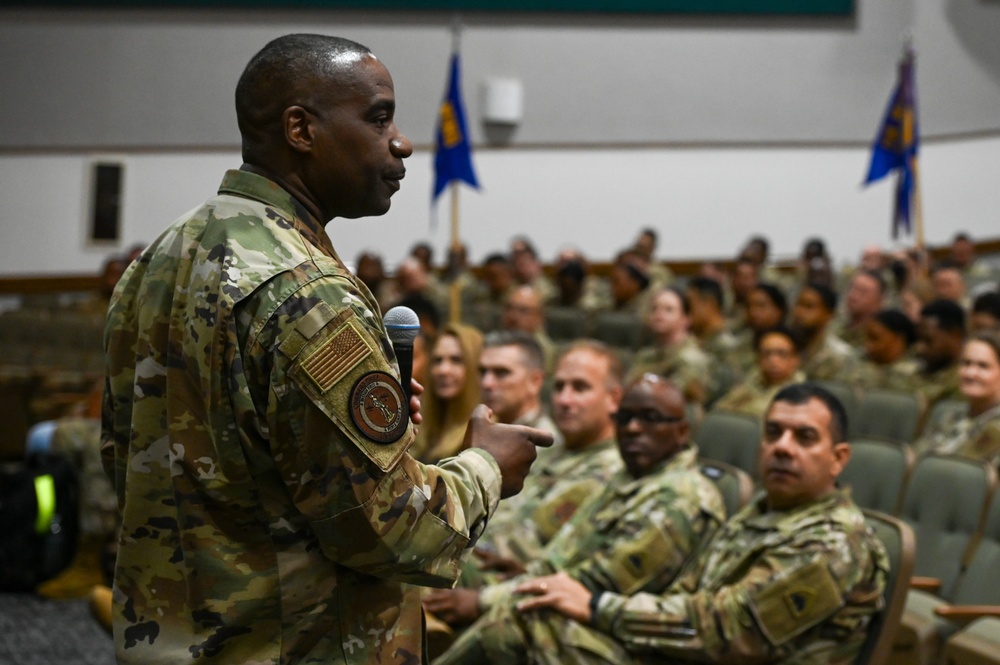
{"points": [[775, 609], [645, 547], [338, 429]]}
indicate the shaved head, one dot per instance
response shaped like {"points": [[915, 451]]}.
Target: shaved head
{"points": [[285, 73]]}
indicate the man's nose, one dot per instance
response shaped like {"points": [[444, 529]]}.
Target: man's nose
{"points": [[401, 146]]}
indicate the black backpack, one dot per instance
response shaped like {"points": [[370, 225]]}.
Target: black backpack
{"points": [[39, 520]]}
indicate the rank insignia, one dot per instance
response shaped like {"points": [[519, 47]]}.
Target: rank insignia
{"points": [[379, 407]]}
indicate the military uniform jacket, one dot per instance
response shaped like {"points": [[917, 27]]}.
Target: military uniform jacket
{"points": [[634, 536], [798, 587], [685, 365], [256, 435], [830, 360], [960, 434], [559, 483]]}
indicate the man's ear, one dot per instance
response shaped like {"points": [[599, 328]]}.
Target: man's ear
{"points": [[297, 123], [841, 456]]}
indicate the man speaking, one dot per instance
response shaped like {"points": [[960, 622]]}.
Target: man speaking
{"points": [[254, 424]]}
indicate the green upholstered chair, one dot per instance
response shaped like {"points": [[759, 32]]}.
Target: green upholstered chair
{"points": [[877, 474], [733, 438], [735, 485], [897, 537], [885, 414]]}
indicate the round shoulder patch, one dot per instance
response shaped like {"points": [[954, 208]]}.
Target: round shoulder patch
{"points": [[379, 407]]}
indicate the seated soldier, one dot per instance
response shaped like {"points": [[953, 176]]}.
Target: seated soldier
{"points": [[705, 299], [633, 536], [767, 307], [795, 577], [940, 337], [865, 297], [674, 354], [887, 364], [825, 357], [586, 389], [985, 315], [511, 374], [523, 311], [778, 350], [972, 429]]}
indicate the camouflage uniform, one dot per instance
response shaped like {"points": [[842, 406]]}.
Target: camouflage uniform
{"points": [[743, 355], [899, 376], [959, 434], [559, 482], [751, 396], [933, 387], [256, 435], [79, 439], [634, 536], [830, 360], [795, 588], [685, 365], [720, 346]]}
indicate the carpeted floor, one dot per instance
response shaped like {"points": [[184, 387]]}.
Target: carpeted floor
{"points": [[39, 631]]}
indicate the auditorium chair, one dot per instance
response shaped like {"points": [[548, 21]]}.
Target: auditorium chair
{"points": [[733, 438], [735, 485], [898, 540], [886, 414], [877, 474], [945, 503], [566, 323], [932, 620]]}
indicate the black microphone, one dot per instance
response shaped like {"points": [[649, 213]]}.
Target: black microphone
{"points": [[403, 327]]}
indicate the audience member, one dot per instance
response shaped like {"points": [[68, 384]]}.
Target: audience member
{"points": [[674, 354], [864, 299], [887, 364], [660, 276], [973, 431], [528, 269], [940, 338], [451, 393], [523, 311], [587, 387], [633, 536], [795, 577], [778, 357], [825, 356], [815, 266], [511, 374], [370, 270], [985, 314], [766, 308], [705, 300], [948, 283], [746, 276], [963, 255], [629, 281]]}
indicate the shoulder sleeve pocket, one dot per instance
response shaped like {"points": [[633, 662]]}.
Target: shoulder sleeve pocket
{"points": [[795, 603], [337, 363]]}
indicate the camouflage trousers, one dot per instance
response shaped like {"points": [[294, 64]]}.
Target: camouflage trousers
{"points": [[505, 636]]}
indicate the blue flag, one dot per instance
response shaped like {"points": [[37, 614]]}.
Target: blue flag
{"points": [[453, 152], [895, 146]]}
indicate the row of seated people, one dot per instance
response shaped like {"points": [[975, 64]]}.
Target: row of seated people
{"points": [[566, 477], [934, 361], [587, 410]]}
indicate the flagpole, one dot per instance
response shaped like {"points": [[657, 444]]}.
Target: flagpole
{"points": [[455, 289]]}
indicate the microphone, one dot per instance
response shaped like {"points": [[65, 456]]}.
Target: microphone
{"points": [[403, 326]]}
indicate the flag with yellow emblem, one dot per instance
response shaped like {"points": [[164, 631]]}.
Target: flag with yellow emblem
{"points": [[896, 145], [453, 154]]}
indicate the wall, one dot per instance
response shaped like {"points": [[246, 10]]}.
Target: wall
{"points": [[708, 128]]}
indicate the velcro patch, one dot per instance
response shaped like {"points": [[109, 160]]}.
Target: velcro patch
{"points": [[330, 362], [378, 407], [796, 602]]}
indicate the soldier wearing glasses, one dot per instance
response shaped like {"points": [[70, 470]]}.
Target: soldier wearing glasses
{"points": [[634, 536]]}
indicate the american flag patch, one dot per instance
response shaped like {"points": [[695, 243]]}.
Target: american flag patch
{"points": [[330, 362]]}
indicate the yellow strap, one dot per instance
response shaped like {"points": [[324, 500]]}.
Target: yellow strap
{"points": [[45, 491]]}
